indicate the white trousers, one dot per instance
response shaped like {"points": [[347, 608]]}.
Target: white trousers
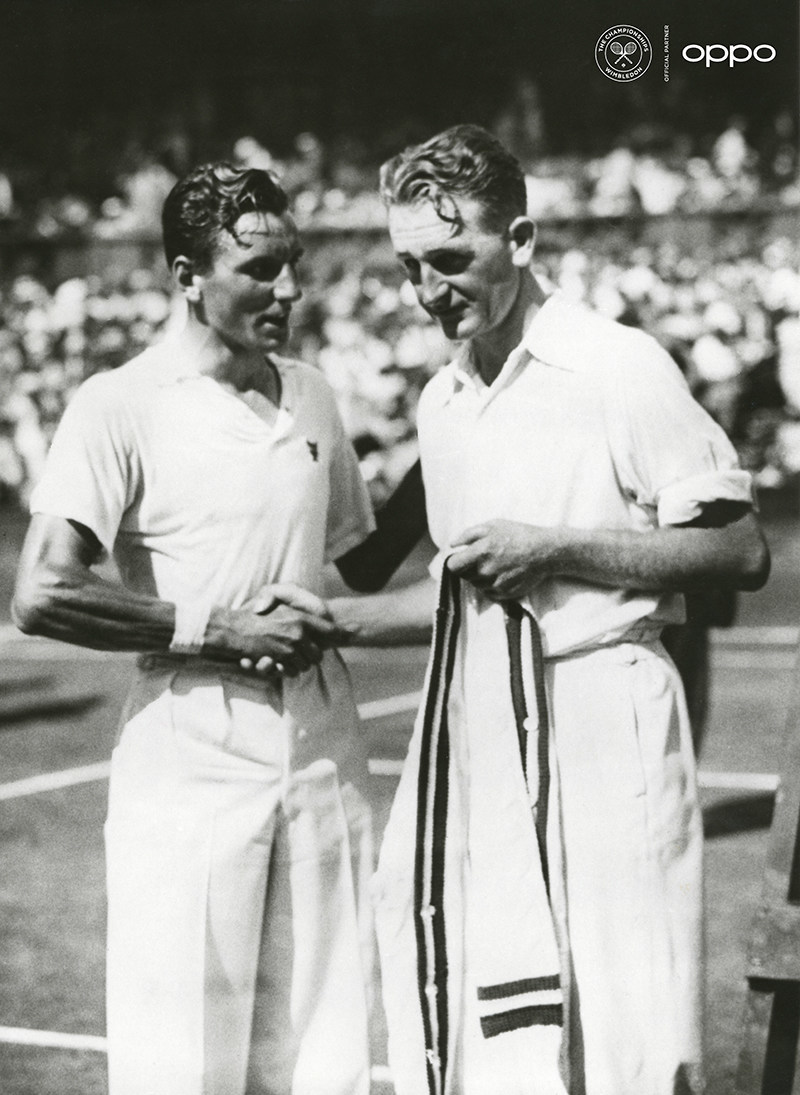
{"points": [[238, 958], [625, 839], [625, 846]]}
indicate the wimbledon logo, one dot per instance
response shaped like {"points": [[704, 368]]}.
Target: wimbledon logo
{"points": [[623, 53]]}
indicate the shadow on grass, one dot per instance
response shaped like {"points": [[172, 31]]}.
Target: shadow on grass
{"points": [[738, 815], [16, 709]]}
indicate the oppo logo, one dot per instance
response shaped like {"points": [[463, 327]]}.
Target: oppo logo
{"points": [[734, 55]]}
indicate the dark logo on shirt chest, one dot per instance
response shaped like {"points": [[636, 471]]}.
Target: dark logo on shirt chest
{"points": [[313, 448]]}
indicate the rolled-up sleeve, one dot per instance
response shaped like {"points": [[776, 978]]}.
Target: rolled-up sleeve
{"points": [[682, 502], [672, 458]]}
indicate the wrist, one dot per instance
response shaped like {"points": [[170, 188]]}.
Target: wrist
{"points": [[222, 639], [558, 557], [349, 624], [191, 622]]}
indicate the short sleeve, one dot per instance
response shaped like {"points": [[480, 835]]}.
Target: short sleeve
{"points": [[350, 518], [670, 455], [86, 475]]}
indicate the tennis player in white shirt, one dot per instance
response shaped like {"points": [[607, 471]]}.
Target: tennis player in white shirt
{"points": [[539, 886], [218, 474]]}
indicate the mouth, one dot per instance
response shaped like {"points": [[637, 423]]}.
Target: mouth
{"points": [[278, 322], [449, 317], [444, 315]]}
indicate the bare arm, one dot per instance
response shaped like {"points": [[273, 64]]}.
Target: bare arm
{"points": [[404, 616], [401, 524], [724, 548], [58, 595]]}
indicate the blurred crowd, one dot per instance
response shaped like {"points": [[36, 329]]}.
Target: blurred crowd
{"points": [[651, 174], [727, 309], [729, 314], [649, 169]]}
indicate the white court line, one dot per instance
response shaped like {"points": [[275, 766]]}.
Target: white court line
{"points": [[774, 660], [392, 705], [51, 1039], [377, 766], [383, 766], [738, 781], [718, 781], [54, 781], [70, 777], [755, 636], [18, 1036]]}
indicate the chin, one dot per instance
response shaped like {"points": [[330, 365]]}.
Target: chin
{"points": [[465, 329], [458, 328], [272, 342]]}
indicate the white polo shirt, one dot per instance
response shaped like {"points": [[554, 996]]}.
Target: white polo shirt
{"points": [[197, 497], [590, 424]]}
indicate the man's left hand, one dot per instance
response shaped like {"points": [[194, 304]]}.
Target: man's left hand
{"points": [[503, 559]]}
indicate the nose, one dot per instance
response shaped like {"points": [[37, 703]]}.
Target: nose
{"points": [[287, 286], [431, 287]]}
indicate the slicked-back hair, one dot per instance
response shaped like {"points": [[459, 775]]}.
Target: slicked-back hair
{"points": [[209, 201], [465, 161]]}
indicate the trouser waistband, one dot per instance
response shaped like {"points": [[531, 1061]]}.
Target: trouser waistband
{"points": [[639, 636]]}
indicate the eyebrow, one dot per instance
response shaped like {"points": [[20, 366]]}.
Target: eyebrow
{"points": [[289, 254], [443, 249]]}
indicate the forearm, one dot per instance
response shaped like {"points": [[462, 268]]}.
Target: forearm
{"points": [[403, 617], [59, 595], [77, 606], [400, 525], [663, 559], [506, 560], [74, 605]]}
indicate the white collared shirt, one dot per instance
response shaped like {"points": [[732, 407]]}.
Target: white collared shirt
{"points": [[591, 425], [201, 499], [193, 492]]}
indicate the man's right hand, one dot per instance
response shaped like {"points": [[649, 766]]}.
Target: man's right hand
{"points": [[299, 622], [293, 640], [60, 595], [278, 637]]}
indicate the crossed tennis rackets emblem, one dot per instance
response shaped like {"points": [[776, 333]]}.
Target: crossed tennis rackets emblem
{"points": [[623, 53]]}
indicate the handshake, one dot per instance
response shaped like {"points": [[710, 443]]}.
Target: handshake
{"points": [[283, 631]]}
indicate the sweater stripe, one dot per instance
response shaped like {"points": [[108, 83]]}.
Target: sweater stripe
{"points": [[541, 1015], [515, 988]]}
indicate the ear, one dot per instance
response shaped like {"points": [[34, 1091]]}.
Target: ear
{"points": [[522, 240], [187, 280]]}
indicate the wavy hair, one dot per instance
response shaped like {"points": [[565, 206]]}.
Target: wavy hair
{"points": [[466, 161], [209, 201]]}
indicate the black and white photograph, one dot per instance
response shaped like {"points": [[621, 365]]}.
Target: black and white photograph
{"points": [[399, 547]]}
